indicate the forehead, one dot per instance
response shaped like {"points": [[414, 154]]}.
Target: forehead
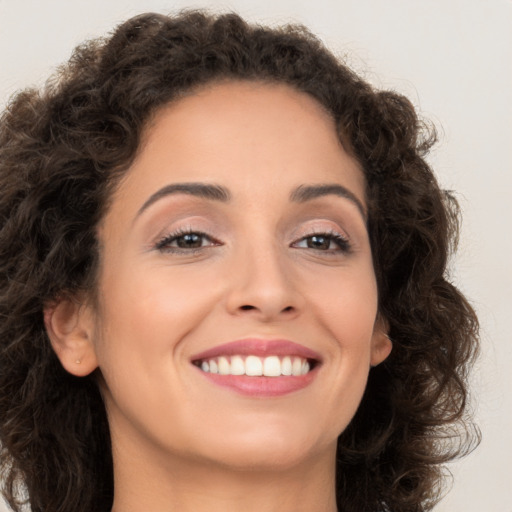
{"points": [[244, 135], [246, 106]]}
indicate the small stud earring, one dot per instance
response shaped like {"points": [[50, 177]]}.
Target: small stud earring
{"points": [[78, 361]]}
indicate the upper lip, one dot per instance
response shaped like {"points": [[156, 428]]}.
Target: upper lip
{"points": [[259, 347]]}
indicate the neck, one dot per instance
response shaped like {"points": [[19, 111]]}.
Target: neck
{"points": [[143, 482]]}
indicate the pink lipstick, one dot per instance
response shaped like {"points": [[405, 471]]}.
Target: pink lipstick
{"points": [[259, 368]]}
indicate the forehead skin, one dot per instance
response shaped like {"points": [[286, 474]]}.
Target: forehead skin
{"points": [[205, 122]]}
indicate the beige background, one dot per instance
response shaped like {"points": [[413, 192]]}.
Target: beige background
{"points": [[453, 58]]}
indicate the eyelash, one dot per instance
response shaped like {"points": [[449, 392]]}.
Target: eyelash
{"points": [[342, 242], [164, 245]]}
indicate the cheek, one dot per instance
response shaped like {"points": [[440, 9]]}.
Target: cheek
{"points": [[346, 304], [144, 318], [347, 312], [150, 312]]}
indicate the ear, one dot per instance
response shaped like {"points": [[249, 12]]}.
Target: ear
{"points": [[381, 344], [70, 327]]}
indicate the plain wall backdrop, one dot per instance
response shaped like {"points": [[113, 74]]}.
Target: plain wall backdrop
{"points": [[453, 59]]}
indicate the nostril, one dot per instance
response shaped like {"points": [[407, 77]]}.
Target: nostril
{"points": [[248, 307]]}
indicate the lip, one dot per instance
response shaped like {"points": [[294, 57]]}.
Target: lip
{"points": [[260, 387], [260, 348]]}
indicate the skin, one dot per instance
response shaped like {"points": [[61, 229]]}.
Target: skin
{"points": [[181, 442]]}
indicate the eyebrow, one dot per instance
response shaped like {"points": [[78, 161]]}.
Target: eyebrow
{"points": [[305, 193], [202, 190], [301, 194]]}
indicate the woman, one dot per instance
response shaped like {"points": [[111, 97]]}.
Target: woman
{"points": [[223, 275]]}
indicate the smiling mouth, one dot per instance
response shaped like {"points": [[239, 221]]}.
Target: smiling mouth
{"points": [[259, 368], [255, 366]]}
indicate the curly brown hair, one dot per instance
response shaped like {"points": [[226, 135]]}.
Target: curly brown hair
{"points": [[63, 150]]}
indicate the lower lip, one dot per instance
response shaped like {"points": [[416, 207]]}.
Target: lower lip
{"points": [[262, 386]]}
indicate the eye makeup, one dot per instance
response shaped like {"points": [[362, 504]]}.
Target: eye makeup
{"points": [[324, 241], [185, 240]]}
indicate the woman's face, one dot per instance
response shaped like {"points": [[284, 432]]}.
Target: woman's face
{"points": [[237, 244]]}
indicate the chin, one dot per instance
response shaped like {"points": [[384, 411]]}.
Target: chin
{"points": [[267, 449]]}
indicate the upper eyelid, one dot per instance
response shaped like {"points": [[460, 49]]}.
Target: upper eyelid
{"points": [[165, 240], [316, 230], [182, 232], [332, 234], [320, 229], [221, 228], [342, 241], [297, 233]]}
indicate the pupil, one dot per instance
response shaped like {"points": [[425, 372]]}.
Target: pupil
{"points": [[318, 242], [189, 240]]}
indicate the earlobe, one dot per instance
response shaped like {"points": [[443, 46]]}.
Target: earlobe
{"points": [[70, 326], [381, 343]]}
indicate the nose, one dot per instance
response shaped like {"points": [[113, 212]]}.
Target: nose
{"points": [[263, 285]]}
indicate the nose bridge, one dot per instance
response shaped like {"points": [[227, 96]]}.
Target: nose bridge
{"points": [[261, 279]]}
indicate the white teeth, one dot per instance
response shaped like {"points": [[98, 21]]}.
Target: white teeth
{"points": [[224, 366], [297, 366], [254, 366], [213, 366], [286, 366], [237, 366], [271, 366]]}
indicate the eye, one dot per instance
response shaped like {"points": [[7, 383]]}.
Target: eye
{"points": [[327, 242], [185, 241]]}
